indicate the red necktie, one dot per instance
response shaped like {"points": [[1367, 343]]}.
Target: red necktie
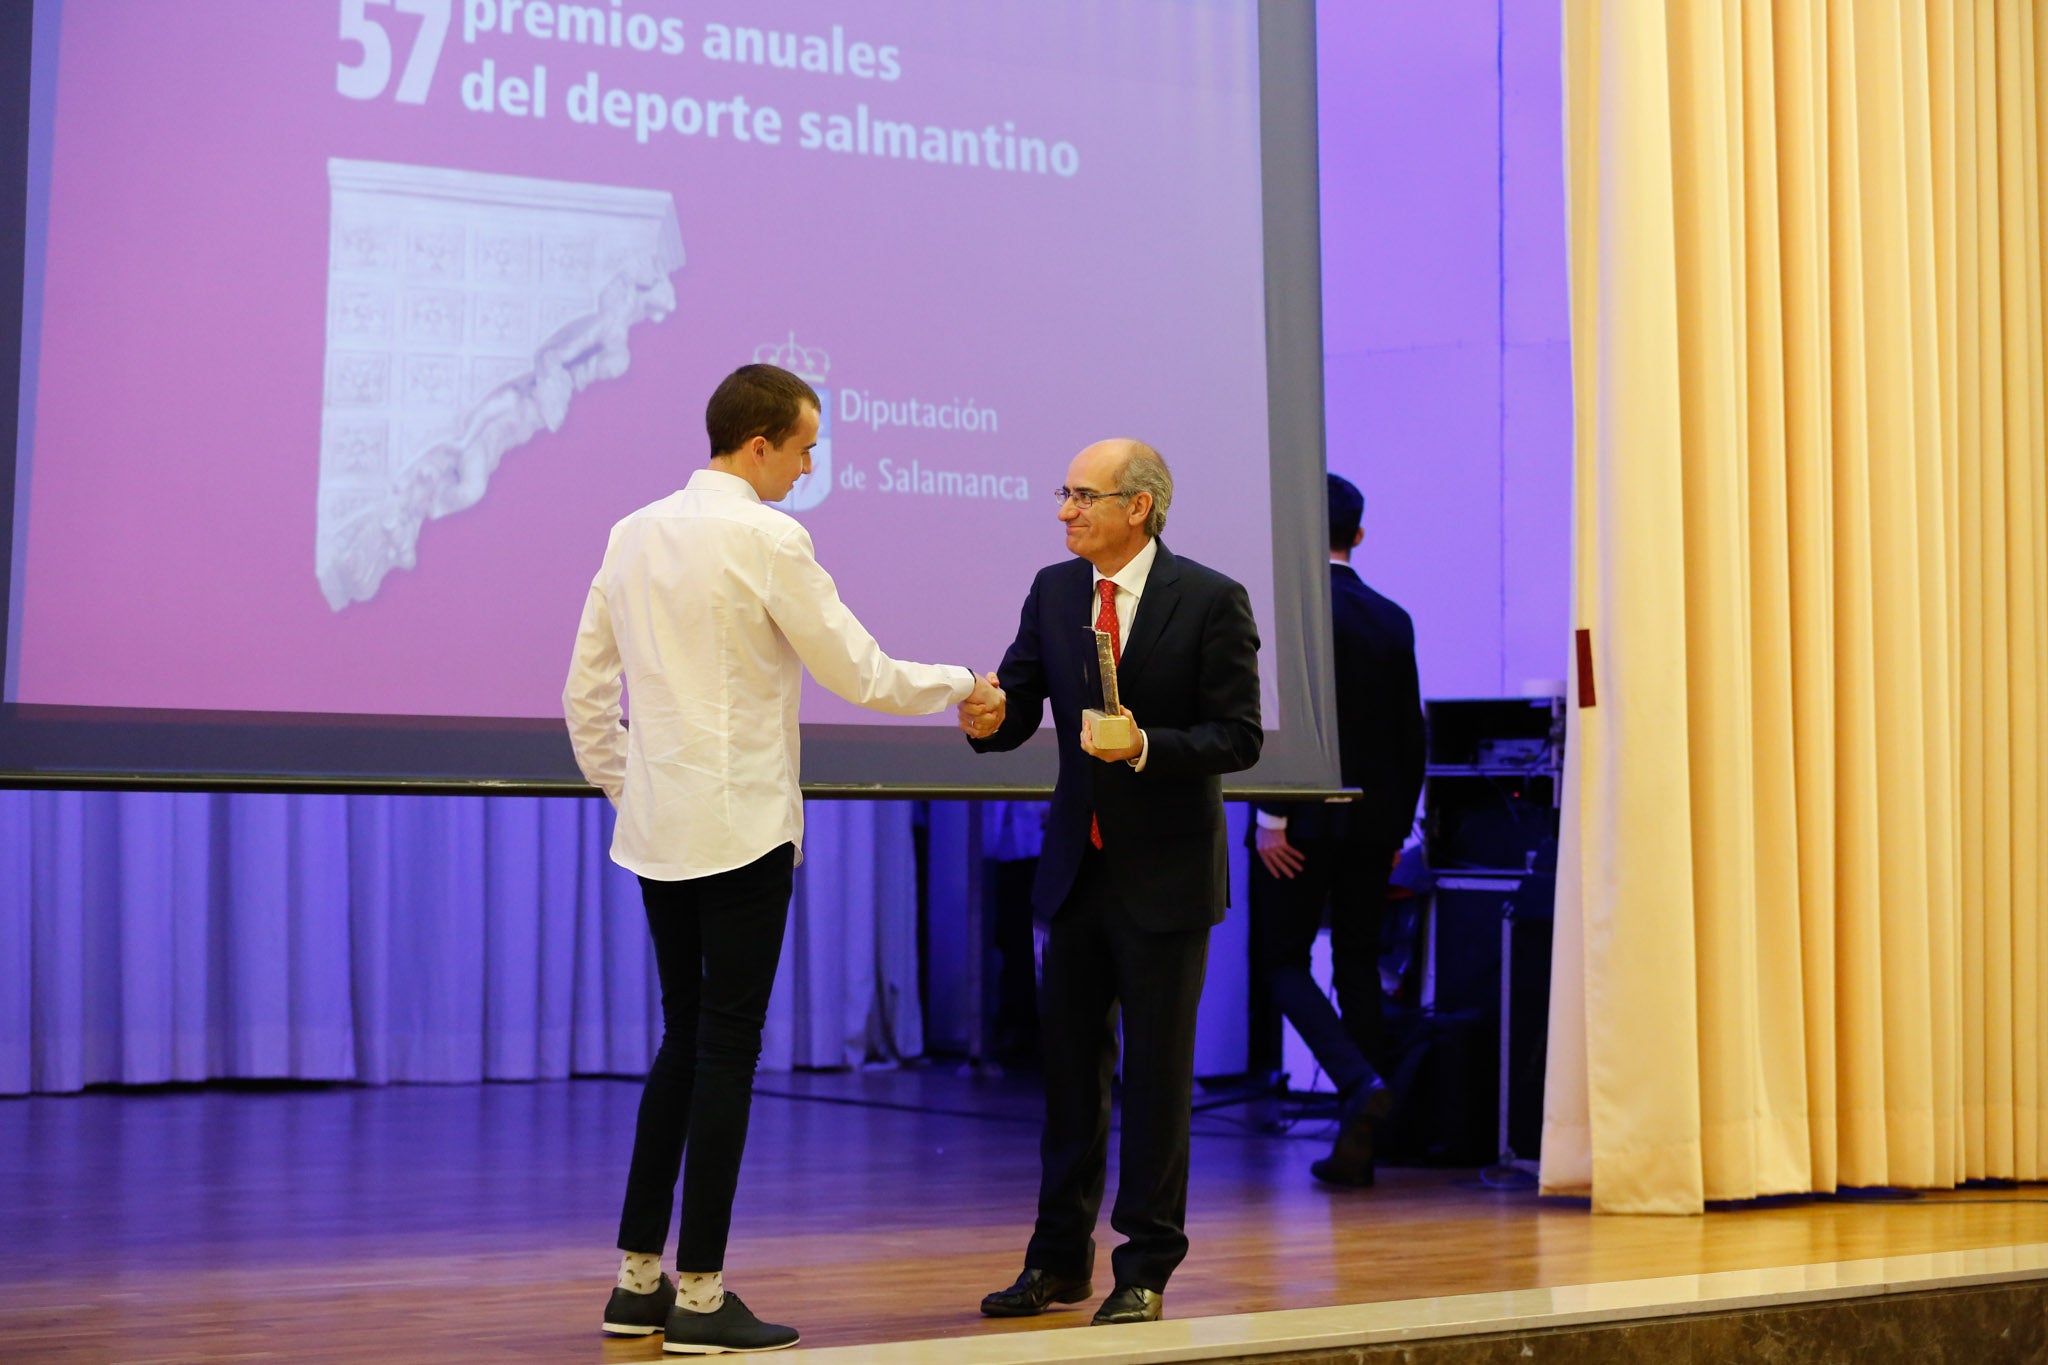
{"points": [[1106, 620]]}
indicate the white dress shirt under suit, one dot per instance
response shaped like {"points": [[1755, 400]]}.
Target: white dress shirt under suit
{"points": [[711, 605]]}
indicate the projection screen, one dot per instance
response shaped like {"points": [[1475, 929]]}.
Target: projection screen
{"points": [[346, 329]]}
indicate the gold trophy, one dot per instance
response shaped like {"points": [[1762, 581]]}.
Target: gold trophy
{"points": [[1113, 729]]}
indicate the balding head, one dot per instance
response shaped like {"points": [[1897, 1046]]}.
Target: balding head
{"points": [[1133, 489]]}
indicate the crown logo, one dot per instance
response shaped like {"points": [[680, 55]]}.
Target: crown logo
{"points": [[809, 363]]}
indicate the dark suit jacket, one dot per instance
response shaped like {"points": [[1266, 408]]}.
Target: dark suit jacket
{"points": [[1379, 721], [1189, 673]]}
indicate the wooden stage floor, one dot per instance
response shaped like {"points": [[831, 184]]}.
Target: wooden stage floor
{"points": [[427, 1222]]}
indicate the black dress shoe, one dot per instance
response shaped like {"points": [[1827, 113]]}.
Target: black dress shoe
{"points": [[729, 1327], [1129, 1303], [1352, 1175], [1350, 1161], [1034, 1290], [628, 1314]]}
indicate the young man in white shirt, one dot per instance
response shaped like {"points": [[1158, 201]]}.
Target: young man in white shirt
{"points": [[709, 607]]}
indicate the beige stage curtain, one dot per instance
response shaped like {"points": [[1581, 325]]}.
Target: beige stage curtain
{"points": [[1800, 939]]}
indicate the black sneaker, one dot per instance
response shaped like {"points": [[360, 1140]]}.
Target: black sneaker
{"points": [[628, 1314], [730, 1328]]}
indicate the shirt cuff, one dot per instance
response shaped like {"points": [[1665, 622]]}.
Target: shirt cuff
{"points": [[1144, 752], [972, 679], [1268, 820]]}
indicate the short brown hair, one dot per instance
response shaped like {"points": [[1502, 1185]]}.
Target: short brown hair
{"points": [[755, 400]]}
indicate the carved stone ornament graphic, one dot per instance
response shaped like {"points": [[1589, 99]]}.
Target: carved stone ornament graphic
{"points": [[464, 311]]}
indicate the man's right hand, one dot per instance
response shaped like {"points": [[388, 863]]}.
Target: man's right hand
{"points": [[1281, 858], [981, 715]]}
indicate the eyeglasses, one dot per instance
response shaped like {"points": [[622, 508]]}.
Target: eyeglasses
{"points": [[1083, 498]]}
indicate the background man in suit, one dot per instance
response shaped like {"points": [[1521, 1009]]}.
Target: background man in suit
{"points": [[1134, 870], [709, 594], [1312, 854]]}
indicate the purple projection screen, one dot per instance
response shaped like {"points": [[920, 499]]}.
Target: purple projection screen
{"points": [[348, 328]]}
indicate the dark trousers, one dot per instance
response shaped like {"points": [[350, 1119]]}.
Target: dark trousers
{"points": [[716, 942], [1097, 958], [1349, 877]]}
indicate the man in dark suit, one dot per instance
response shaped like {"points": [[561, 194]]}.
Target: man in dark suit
{"points": [[1312, 855], [1134, 871]]}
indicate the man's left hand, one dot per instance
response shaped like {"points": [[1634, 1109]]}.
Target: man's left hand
{"points": [[1113, 755], [1282, 859]]}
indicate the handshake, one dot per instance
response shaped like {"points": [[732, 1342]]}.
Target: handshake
{"points": [[981, 715]]}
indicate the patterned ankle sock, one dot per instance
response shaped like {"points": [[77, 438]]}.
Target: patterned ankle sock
{"points": [[700, 1293], [640, 1272]]}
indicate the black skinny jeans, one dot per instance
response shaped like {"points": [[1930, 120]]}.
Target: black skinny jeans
{"points": [[716, 942]]}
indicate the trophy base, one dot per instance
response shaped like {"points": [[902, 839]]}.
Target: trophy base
{"points": [[1111, 732]]}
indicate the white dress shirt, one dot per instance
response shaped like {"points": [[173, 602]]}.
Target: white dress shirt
{"points": [[1130, 589], [710, 606]]}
